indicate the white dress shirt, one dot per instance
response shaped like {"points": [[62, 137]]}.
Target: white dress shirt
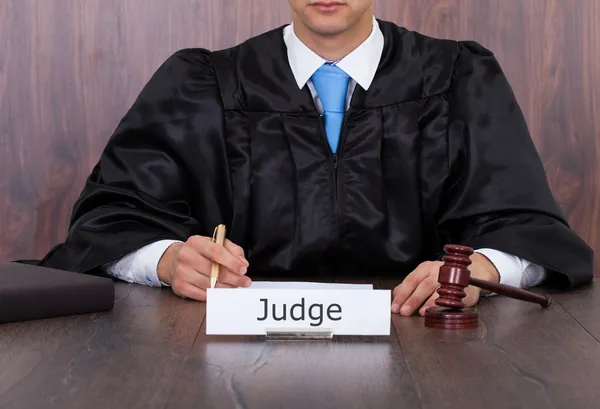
{"points": [[361, 65]]}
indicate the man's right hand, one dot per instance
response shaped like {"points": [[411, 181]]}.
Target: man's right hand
{"points": [[186, 266]]}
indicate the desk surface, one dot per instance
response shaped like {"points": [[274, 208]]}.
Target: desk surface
{"points": [[152, 351]]}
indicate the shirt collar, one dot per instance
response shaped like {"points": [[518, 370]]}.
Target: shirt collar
{"points": [[361, 64]]}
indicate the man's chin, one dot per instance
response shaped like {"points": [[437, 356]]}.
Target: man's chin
{"points": [[328, 28]]}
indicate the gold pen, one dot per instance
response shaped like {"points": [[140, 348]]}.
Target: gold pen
{"points": [[218, 238]]}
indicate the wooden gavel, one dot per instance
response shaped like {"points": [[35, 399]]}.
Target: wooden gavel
{"points": [[454, 277]]}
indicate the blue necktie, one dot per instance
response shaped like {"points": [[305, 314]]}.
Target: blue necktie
{"points": [[331, 84]]}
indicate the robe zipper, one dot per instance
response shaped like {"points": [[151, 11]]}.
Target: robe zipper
{"points": [[336, 157], [335, 181], [334, 160]]}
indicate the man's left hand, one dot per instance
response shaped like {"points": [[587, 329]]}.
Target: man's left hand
{"points": [[418, 290]]}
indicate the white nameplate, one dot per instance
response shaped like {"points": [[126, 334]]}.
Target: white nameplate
{"points": [[248, 311]]}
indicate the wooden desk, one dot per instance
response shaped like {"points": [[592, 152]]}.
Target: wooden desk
{"points": [[151, 351]]}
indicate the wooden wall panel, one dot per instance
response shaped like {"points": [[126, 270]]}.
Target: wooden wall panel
{"points": [[69, 69]]}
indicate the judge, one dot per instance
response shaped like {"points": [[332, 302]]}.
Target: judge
{"points": [[339, 146]]}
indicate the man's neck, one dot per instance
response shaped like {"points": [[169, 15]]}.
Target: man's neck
{"points": [[335, 47]]}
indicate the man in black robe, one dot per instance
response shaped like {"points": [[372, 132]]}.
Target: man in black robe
{"points": [[339, 146]]}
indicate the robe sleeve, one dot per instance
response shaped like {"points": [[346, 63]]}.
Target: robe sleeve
{"points": [[497, 195], [146, 185]]}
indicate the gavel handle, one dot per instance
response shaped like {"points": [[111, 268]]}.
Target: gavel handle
{"points": [[512, 292]]}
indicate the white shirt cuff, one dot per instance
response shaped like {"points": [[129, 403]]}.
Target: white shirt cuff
{"points": [[140, 266], [515, 271]]}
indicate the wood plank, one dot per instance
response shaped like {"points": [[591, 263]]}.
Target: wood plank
{"points": [[520, 356], [127, 358], [583, 304], [247, 372], [143, 354]]}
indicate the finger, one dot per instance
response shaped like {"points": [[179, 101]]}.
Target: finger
{"points": [[429, 303], [213, 252], [221, 255], [418, 297], [408, 286], [236, 250], [472, 296], [187, 290], [189, 275], [227, 276], [190, 259]]}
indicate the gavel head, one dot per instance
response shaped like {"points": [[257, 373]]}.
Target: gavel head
{"points": [[454, 276]]}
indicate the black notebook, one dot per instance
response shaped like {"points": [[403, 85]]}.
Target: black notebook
{"points": [[30, 292]]}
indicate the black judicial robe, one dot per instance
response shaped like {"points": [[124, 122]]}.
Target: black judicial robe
{"points": [[436, 151]]}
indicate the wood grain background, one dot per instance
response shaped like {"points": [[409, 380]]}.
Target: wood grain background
{"points": [[69, 70]]}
